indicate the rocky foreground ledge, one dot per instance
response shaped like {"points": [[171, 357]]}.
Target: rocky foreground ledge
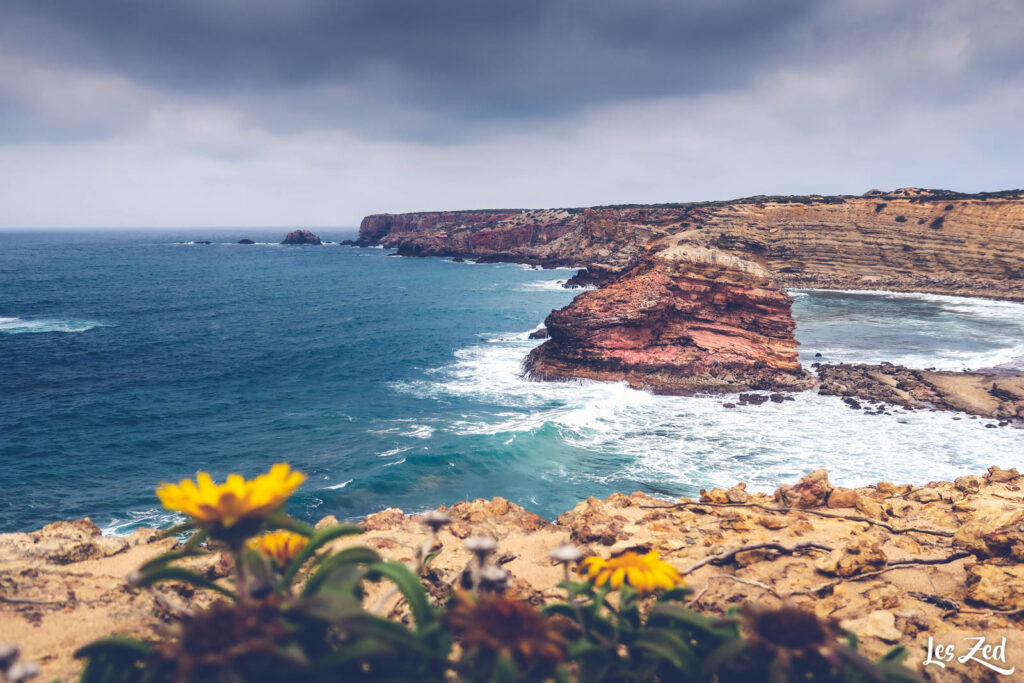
{"points": [[897, 564]]}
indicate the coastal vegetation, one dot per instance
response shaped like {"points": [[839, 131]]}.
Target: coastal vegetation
{"points": [[298, 607]]}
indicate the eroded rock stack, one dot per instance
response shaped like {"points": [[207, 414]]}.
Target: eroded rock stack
{"points": [[692, 320]]}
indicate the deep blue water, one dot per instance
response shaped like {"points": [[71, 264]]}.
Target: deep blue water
{"points": [[126, 360]]}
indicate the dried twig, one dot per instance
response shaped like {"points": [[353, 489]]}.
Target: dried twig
{"points": [[1004, 612], [896, 565], [954, 606], [721, 558], [26, 601], [819, 513]]}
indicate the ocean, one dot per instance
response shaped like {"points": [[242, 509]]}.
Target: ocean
{"points": [[127, 359]]}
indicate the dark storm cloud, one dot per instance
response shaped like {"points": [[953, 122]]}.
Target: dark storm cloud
{"points": [[135, 112], [467, 60]]}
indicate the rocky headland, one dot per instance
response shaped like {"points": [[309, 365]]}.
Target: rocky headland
{"points": [[690, 320], [904, 240], [896, 564], [678, 330]]}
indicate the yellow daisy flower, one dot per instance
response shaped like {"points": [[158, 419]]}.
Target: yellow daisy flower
{"points": [[281, 545], [236, 499], [645, 573]]}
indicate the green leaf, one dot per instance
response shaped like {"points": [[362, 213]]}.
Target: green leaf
{"points": [[281, 520], [662, 613], [359, 625], [668, 646], [259, 570], [363, 650], [430, 558], [895, 655], [326, 607], [582, 648], [185, 576], [410, 586], [852, 640], [344, 558], [726, 653], [561, 609], [505, 670], [677, 594], [115, 645], [315, 542]]}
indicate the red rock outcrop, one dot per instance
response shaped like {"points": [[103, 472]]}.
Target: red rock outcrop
{"points": [[693, 320], [506, 234]]}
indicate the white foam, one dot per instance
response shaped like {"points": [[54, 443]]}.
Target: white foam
{"points": [[339, 486], [676, 443], [420, 432], [1008, 317], [68, 325], [542, 285], [393, 451], [987, 308], [152, 518]]}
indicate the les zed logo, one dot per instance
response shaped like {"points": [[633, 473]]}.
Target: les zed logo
{"points": [[981, 652]]}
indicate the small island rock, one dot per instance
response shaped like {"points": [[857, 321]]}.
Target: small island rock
{"points": [[301, 237]]}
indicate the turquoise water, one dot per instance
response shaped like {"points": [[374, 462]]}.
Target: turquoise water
{"points": [[127, 359]]}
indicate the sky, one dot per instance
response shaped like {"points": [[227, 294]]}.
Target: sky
{"points": [[135, 113]]}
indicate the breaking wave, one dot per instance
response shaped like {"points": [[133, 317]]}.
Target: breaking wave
{"points": [[22, 326]]}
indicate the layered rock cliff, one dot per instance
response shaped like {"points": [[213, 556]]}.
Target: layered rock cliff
{"points": [[691, 320], [510, 234], [905, 240]]}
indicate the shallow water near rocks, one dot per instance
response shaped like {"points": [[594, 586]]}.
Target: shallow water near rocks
{"points": [[127, 359]]}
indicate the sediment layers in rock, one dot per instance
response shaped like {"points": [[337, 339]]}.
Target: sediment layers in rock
{"points": [[692, 320], [514, 235], [905, 240]]}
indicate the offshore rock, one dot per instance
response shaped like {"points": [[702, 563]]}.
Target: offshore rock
{"points": [[301, 237], [692, 320]]}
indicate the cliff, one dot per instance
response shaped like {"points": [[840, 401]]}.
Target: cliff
{"points": [[905, 240], [896, 564], [691, 320], [509, 234]]}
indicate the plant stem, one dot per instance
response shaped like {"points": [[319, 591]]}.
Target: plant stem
{"points": [[241, 579]]}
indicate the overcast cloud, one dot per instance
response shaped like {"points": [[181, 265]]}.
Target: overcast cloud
{"points": [[316, 112]]}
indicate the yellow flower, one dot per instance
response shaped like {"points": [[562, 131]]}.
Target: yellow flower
{"points": [[282, 545], [645, 573], [235, 499]]}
